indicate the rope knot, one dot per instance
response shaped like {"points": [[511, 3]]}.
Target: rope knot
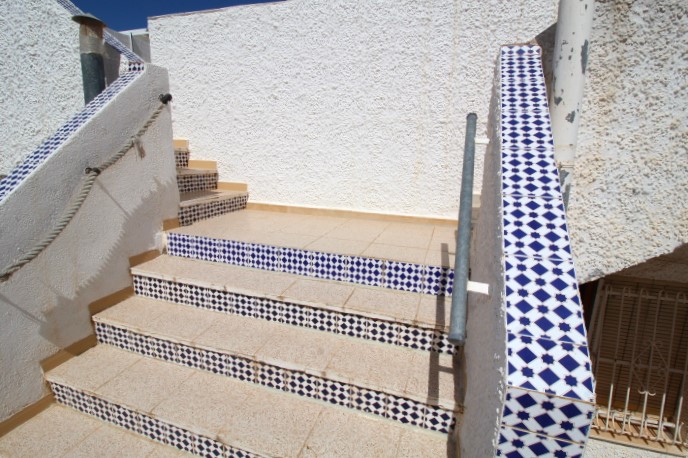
{"points": [[95, 170]]}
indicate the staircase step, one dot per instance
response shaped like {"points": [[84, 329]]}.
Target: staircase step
{"points": [[181, 158], [401, 256], [61, 431], [400, 318], [198, 205], [189, 180], [211, 415], [279, 355]]}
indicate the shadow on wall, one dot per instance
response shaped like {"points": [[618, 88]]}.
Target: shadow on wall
{"points": [[61, 311], [545, 40]]}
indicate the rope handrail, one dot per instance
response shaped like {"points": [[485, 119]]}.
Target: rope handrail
{"points": [[90, 178]]}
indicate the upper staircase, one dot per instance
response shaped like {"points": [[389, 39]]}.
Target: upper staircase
{"points": [[268, 333]]}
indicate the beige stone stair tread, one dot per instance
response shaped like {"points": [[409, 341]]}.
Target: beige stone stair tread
{"points": [[209, 195], [188, 171], [414, 374], [400, 306], [61, 431], [245, 415], [377, 238]]}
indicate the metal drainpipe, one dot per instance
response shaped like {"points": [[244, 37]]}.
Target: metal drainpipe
{"points": [[91, 47], [572, 42]]}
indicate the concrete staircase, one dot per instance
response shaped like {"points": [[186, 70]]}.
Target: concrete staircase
{"points": [[201, 194], [264, 333]]}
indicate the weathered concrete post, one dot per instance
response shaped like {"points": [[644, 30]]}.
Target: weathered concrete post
{"points": [[91, 49], [572, 41]]}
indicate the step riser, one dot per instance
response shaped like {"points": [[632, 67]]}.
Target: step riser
{"points": [[192, 213], [197, 182], [389, 406], [181, 159], [145, 425], [294, 314], [400, 276]]}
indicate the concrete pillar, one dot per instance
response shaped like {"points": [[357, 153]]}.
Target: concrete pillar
{"points": [[570, 60]]}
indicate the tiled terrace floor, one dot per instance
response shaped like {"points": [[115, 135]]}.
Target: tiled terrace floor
{"points": [[431, 244]]}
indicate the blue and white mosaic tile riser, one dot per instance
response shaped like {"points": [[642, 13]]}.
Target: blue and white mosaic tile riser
{"points": [[550, 390], [401, 276], [349, 395], [53, 143]]}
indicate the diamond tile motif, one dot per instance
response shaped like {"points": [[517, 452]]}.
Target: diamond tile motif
{"points": [[515, 443], [530, 173], [542, 300], [559, 418], [535, 227], [557, 368], [403, 276], [548, 407]]}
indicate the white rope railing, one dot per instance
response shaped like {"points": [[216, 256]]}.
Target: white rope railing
{"points": [[90, 178]]}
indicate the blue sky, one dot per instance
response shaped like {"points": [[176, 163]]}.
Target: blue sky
{"points": [[133, 14]]}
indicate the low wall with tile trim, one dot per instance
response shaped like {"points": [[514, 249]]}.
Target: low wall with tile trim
{"points": [[545, 379], [44, 306], [339, 104]]}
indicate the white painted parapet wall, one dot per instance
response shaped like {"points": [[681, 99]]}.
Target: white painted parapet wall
{"points": [[533, 385], [44, 306]]}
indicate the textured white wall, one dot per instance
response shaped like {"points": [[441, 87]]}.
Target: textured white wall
{"points": [[485, 350], [40, 73], [44, 306], [628, 201], [333, 103]]}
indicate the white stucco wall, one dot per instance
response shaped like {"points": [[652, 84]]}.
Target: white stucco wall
{"points": [[44, 306], [332, 103], [485, 350], [628, 201], [40, 73]]}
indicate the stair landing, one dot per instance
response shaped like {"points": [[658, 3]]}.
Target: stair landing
{"points": [[412, 242]]}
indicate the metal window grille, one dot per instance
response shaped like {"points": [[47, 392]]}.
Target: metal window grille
{"points": [[639, 348]]}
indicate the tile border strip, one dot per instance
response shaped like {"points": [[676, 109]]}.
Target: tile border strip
{"points": [[294, 314], [392, 407], [146, 425], [397, 275], [204, 210]]}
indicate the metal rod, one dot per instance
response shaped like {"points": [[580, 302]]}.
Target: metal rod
{"points": [[457, 329]]}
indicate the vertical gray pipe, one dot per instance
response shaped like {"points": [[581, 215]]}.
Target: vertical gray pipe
{"points": [[91, 49], [457, 321]]}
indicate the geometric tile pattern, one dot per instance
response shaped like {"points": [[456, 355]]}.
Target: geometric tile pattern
{"points": [[547, 415], [542, 299], [535, 227], [141, 423], [549, 366], [192, 213], [281, 311], [331, 266], [181, 158], [300, 383], [517, 443], [52, 143], [197, 182], [530, 172], [550, 389]]}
